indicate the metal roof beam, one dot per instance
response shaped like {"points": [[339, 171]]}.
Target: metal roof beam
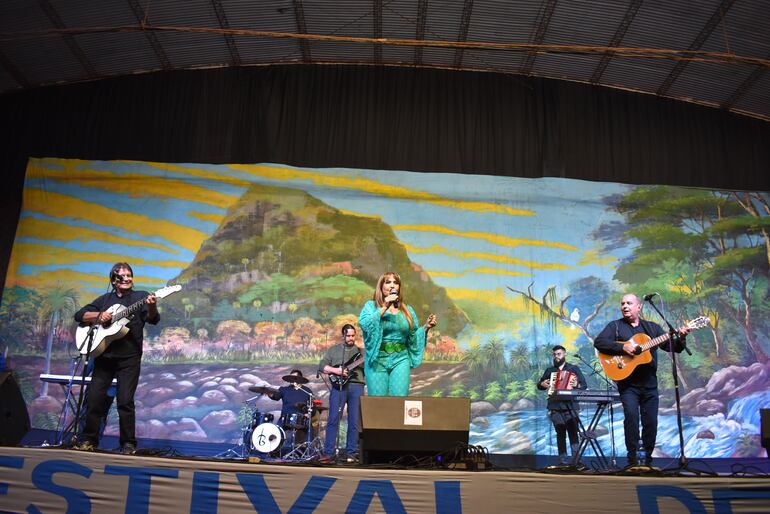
{"points": [[542, 28], [14, 72], [620, 33], [377, 29], [150, 35], [224, 24], [462, 35], [422, 15], [57, 22], [299, 18], [701, 38], [747, 84]]}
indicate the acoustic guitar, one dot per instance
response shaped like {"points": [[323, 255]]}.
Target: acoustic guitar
{"points": [[105, 334], [619, 367]]}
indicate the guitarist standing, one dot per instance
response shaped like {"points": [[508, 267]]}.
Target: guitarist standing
{"points": [[121, 359], [639, 391], [346, 389]]}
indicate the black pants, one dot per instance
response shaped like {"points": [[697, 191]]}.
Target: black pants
{"points": [[564, 423], [126, 370], [640, 403]]}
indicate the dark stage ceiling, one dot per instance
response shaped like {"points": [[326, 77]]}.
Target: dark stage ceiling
{"points": [[711, 52]]}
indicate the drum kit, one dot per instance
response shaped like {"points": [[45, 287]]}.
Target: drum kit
{"points": [[290, 437]]}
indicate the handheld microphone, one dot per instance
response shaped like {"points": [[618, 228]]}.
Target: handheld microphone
{"points": [[395, 304], [649, 297]]}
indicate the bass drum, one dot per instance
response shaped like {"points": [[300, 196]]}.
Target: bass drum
{"points": [[267, 438]]}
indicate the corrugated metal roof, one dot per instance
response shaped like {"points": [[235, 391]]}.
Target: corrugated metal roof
{"points": [[51, 54]]}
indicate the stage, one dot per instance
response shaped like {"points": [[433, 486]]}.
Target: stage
{"points": [[62, 480]]}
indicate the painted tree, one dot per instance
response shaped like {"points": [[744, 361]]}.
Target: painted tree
{"points": [[306, 332], [268, 333], [721, 237], [233, 332], [57, 305]]}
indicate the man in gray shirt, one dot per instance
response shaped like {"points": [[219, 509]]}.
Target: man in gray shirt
{"points": [[343, 363]]}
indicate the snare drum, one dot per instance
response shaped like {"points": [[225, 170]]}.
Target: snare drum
{"points": [[295, 421], [267, 438]]}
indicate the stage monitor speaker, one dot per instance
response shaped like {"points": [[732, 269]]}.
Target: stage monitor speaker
{"points": [[394, 427], [14, 419], [764, 423]]}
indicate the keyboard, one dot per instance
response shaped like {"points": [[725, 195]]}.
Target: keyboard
{"points": [[65, 379], [587, 395]]}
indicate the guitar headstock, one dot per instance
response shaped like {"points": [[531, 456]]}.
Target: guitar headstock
{"points": [[165, 291], [699, 322]]}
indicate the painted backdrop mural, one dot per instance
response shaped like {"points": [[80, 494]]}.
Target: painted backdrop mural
{"points": [[273, 260]]}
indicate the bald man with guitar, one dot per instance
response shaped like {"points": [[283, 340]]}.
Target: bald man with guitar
{"points": [[628, 352]]}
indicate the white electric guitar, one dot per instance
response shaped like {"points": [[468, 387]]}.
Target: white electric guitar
{"points": [[103, 335]]}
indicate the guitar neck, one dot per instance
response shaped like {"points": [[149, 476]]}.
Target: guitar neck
{"points": [[355, 364], [657, 341], [129, 310]]}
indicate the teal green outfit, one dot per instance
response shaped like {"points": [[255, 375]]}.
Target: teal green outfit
{"points": [[392, 350]]}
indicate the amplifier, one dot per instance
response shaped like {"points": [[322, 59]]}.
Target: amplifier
{"points": [[392, 427]]}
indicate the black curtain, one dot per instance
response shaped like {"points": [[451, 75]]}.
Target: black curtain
{"points": [[380, 118]]}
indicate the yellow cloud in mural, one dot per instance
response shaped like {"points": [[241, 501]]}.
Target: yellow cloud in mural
{"points": [[128, 183], [63, 206], [484, 269], [205, 216], [54, 231], [194, 172], [74, 279], [486, 236], [446, 274], [503, 259], [496, 298], [374, 187], [594, 257], [33, 254]]}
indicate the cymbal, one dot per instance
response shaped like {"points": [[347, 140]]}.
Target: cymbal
{"points": [[295, 379], [262, 389]]}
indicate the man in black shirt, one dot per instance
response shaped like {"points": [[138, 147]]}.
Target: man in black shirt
{"points": [[561, 412], [121, 359], [639, 391], [295, 414]]}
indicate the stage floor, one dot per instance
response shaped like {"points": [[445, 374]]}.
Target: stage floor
{"points": [[61, 480]]}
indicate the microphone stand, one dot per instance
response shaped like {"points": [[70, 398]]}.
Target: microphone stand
{"points": [[77, 429], [675, 337]]}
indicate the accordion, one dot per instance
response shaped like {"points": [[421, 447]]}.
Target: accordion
{"points": [[560, 380]]}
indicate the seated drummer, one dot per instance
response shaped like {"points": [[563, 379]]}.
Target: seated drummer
{"points": [[294, 398]]}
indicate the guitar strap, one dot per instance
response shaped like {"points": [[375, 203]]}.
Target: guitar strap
{"points": [[352, 359]]}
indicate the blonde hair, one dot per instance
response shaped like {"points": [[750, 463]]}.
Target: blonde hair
{"points": [[379, 298]]}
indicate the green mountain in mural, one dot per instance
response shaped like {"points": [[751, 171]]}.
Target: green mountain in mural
{"points": [[280, 252]]}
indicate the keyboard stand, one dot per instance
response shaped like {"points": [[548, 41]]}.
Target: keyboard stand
{"points": [[588, 435]]}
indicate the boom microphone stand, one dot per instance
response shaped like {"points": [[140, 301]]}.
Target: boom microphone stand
{"points": [[676, 337]]}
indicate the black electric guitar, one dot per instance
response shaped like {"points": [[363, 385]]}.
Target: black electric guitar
{"points": [[340, 380]]}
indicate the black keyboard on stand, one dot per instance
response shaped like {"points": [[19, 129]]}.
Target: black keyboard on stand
{"points": [[602, 398], [587, 395]]}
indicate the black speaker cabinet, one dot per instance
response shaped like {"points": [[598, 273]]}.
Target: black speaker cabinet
{"points": [[764, 422], [14, 419], [393, 427]]}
